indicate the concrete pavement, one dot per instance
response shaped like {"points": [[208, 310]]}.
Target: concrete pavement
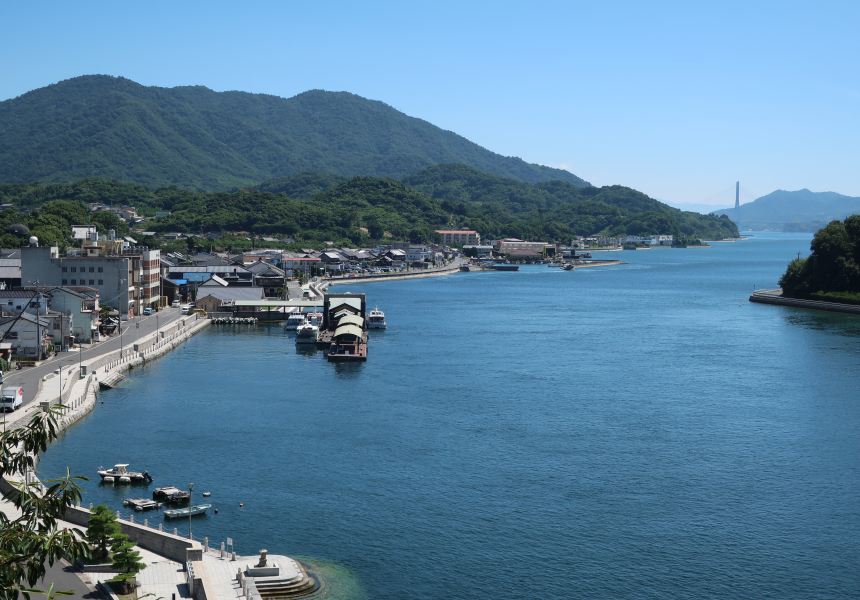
{"points": [[29, 377]]}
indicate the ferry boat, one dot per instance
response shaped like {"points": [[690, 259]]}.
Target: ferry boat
{"points": [[187, 512], [119, 474], [308, 333], [376, 319], [294, 321]]}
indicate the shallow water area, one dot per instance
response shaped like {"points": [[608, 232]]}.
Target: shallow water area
{"points": [[640, 431]]}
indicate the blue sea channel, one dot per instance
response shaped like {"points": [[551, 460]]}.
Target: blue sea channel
{"points": [[637, 431]]}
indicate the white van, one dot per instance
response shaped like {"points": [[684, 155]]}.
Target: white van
{"points": [[12, 398], [176, 304], [186, 308]]}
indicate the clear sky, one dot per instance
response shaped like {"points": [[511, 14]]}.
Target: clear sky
{"points": [[678, 100]]}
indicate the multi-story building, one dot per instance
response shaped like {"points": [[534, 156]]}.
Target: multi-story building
{"points": [[459, 236], [127, 278], [508, 245]]}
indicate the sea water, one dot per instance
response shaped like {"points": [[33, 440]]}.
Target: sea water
{"points": [[636, 431]]}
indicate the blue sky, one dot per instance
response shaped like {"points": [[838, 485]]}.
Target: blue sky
{"points": [[678, 100]]}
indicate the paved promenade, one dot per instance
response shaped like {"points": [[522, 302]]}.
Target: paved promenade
{"points": [[29, 377]]}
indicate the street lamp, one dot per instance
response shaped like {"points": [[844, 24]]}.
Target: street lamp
{"points": [[190, 506]]}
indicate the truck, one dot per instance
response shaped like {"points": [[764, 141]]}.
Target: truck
{"points": [[11, 398]]}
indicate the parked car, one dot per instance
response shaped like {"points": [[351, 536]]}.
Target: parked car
{"points": [[147, 311]]}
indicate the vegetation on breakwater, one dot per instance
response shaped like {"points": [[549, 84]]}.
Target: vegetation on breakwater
{"points": [[832, 272]]}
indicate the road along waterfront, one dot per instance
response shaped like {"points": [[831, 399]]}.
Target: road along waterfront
{"points": [[638, 431]]}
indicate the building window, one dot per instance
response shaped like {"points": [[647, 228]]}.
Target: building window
{"points": [[92, 269], [56, 325], [11, 335], [65, 282], [73, 269], [101, 269], [74, 281], [92, 281], [65, 269], [101, 281]]}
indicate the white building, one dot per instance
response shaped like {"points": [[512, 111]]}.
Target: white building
{"points": [[459, 236], [661, 240]]}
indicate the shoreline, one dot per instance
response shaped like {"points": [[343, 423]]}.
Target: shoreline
{"points": [[775, 298]]}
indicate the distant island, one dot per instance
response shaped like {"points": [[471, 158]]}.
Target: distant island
{"points": [[832, 271], [801, 210]]}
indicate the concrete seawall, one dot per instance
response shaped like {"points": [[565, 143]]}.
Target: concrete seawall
{"points": [[394, 277], [163, 543], [775, 297]]}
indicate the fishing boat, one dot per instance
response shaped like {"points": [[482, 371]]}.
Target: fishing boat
{"points": [[376, 319], [294, 321], [191, 511], [119, 474], [170, 495], [307, 333], [569, 267], [140, 504]]}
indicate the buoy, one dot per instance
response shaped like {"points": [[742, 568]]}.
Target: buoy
{"points": [[216, 511], [206, 494], [108, 479], [241, 505], [124, 479]]}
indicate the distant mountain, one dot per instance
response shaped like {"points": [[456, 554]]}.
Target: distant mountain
{"points": [[193, 137], [704, 209], [788, 207]]}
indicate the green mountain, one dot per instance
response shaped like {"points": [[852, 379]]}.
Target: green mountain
{"points": [[199, 139], [803, 205], [498, 207]]}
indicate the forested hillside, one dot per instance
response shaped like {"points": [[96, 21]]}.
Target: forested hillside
{"points": [[203, 140], [313, 207], [498, 206]]}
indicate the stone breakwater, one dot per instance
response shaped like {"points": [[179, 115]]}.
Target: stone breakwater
{"points": [[775, 297]]}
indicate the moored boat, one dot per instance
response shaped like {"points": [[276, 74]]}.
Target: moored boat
{"points": [[170, 495], [119, 474], [191, 511], [294, 321], [569, 267], [376, 319], [307, 333], [140, 504]]}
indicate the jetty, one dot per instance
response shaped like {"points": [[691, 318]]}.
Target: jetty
{"points": [[776, 298]]}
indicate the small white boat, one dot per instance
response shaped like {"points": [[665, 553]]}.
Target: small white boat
{"points": [[121, 475], [308, 333], [294, 321], [376, 319], [555, 264], [198, 509]]}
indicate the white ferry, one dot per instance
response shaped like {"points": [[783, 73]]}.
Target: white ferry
{"points": [[376, 319], [307, 333], [294, 321]]}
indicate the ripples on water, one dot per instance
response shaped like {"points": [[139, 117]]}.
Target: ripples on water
{"points": [[633, 432]]}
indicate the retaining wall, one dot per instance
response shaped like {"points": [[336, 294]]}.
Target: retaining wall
{"points": [[162, 543]]}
